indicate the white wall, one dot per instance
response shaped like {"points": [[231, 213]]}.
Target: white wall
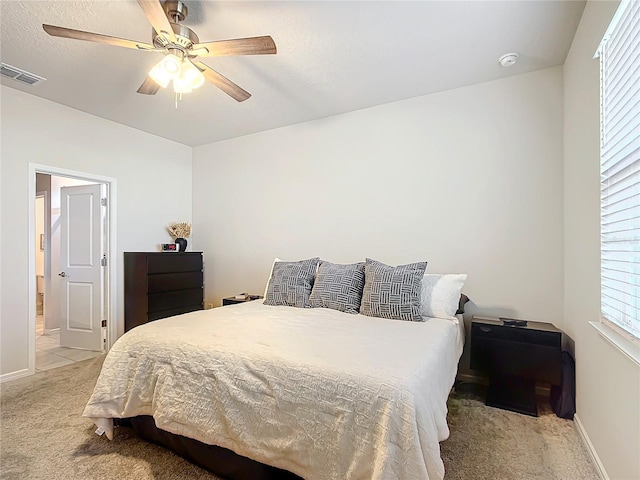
{"points": [[608, 383], [468, 179], [153, 188]]}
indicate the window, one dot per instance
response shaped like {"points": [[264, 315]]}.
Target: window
{"points": [[619, 55]]}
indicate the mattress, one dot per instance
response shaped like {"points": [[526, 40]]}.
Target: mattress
{"points": [[317, 392]]}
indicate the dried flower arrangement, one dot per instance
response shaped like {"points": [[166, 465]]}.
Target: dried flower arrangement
{"points": [[179, 229]]}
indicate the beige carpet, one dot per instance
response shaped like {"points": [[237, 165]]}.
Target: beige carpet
{"points": [[43, 436], [490, 443]]}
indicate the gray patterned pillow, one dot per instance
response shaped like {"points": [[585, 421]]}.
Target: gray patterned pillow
{"points": [[291, 282], [392, 292], [338, 286]]}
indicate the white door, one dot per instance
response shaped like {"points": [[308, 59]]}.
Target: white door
{"points": [[81, 250]]}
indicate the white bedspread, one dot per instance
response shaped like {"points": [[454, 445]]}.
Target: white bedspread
{"points": [[321, 393]]}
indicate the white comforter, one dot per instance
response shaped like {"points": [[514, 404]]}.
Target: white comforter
{"points": [[323, 394]]}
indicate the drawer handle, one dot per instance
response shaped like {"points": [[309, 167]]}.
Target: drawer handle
{"points": [[485, 329]]}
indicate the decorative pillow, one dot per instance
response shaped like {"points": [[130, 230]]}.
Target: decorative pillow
{"points": [[291, 283], [441, 295], [392, 292], [338, 286], [266, 287]]}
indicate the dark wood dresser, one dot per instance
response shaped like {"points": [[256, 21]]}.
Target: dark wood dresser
{"points": [[159, 285]]}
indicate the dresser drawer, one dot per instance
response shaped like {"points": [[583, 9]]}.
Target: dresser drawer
{"points": [[524, 360], [516, 334], [173, 311], [529, 353], [174, 299], [165, 282], [174, 262]]}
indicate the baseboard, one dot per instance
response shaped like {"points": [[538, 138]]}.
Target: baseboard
{"points": [[14, 375], [592, 451]]}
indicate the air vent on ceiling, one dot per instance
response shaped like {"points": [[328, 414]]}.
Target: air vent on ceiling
{"points": [[19, 74]]}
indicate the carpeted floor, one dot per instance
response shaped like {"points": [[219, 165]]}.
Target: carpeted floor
{"points": [[43, 436], [490, 443]]}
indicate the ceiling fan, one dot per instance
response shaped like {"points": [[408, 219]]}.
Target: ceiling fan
{"points": [[181, 48]]}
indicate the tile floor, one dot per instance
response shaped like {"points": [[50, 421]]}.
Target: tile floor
{"points": [[49, 353]]}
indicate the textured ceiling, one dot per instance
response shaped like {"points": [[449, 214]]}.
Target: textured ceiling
{"points": [[333, 57]]}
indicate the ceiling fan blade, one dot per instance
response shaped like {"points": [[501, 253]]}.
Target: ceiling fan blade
{"points": [[149, 87], [223, 83], [240, 46], [156, 16], [93, 37]]}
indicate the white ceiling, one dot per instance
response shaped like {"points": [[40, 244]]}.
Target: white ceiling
{"points": [[333, 57]]}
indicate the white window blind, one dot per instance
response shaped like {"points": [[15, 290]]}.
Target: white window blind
{"points": [[620, 168]]}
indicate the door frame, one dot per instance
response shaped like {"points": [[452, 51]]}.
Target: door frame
{"points": [[111, 250], [47, 233]]}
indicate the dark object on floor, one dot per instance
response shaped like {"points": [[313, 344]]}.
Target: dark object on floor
{"points": [[218, 460], [563, 397]]}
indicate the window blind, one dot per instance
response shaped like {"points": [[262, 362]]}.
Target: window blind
{"points": [[620, 168]]}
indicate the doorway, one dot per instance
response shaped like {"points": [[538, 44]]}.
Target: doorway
{"points": [[59, 306]]}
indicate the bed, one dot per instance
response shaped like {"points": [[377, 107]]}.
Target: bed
{"points": [[317, 392]]}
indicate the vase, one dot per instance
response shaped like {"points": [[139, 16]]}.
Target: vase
{"points": [[182, 244]]}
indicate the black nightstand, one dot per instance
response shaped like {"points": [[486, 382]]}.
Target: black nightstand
{"points": [[515, 358], [234, 300]]}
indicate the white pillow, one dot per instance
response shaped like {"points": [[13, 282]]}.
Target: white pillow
{"points": [[441, 295], [270, 273]]}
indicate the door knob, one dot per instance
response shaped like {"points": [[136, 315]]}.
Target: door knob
{"points": [[62, 274]]}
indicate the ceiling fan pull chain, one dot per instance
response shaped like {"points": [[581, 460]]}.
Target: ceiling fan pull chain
{"points": [[178, 97]]}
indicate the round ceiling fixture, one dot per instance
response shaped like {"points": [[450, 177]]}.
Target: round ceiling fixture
{"points": [[508, 59]]}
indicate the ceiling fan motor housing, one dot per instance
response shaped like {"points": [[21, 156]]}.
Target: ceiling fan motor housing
{"points": [[185, 37]]}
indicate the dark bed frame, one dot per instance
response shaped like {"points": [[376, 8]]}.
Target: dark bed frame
{"points": [[217, 460]]}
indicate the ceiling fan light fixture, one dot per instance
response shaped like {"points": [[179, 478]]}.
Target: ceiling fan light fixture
{"points": [[167, 69], [182, 85], [160, 75], [172, 64], [191, 74]]}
